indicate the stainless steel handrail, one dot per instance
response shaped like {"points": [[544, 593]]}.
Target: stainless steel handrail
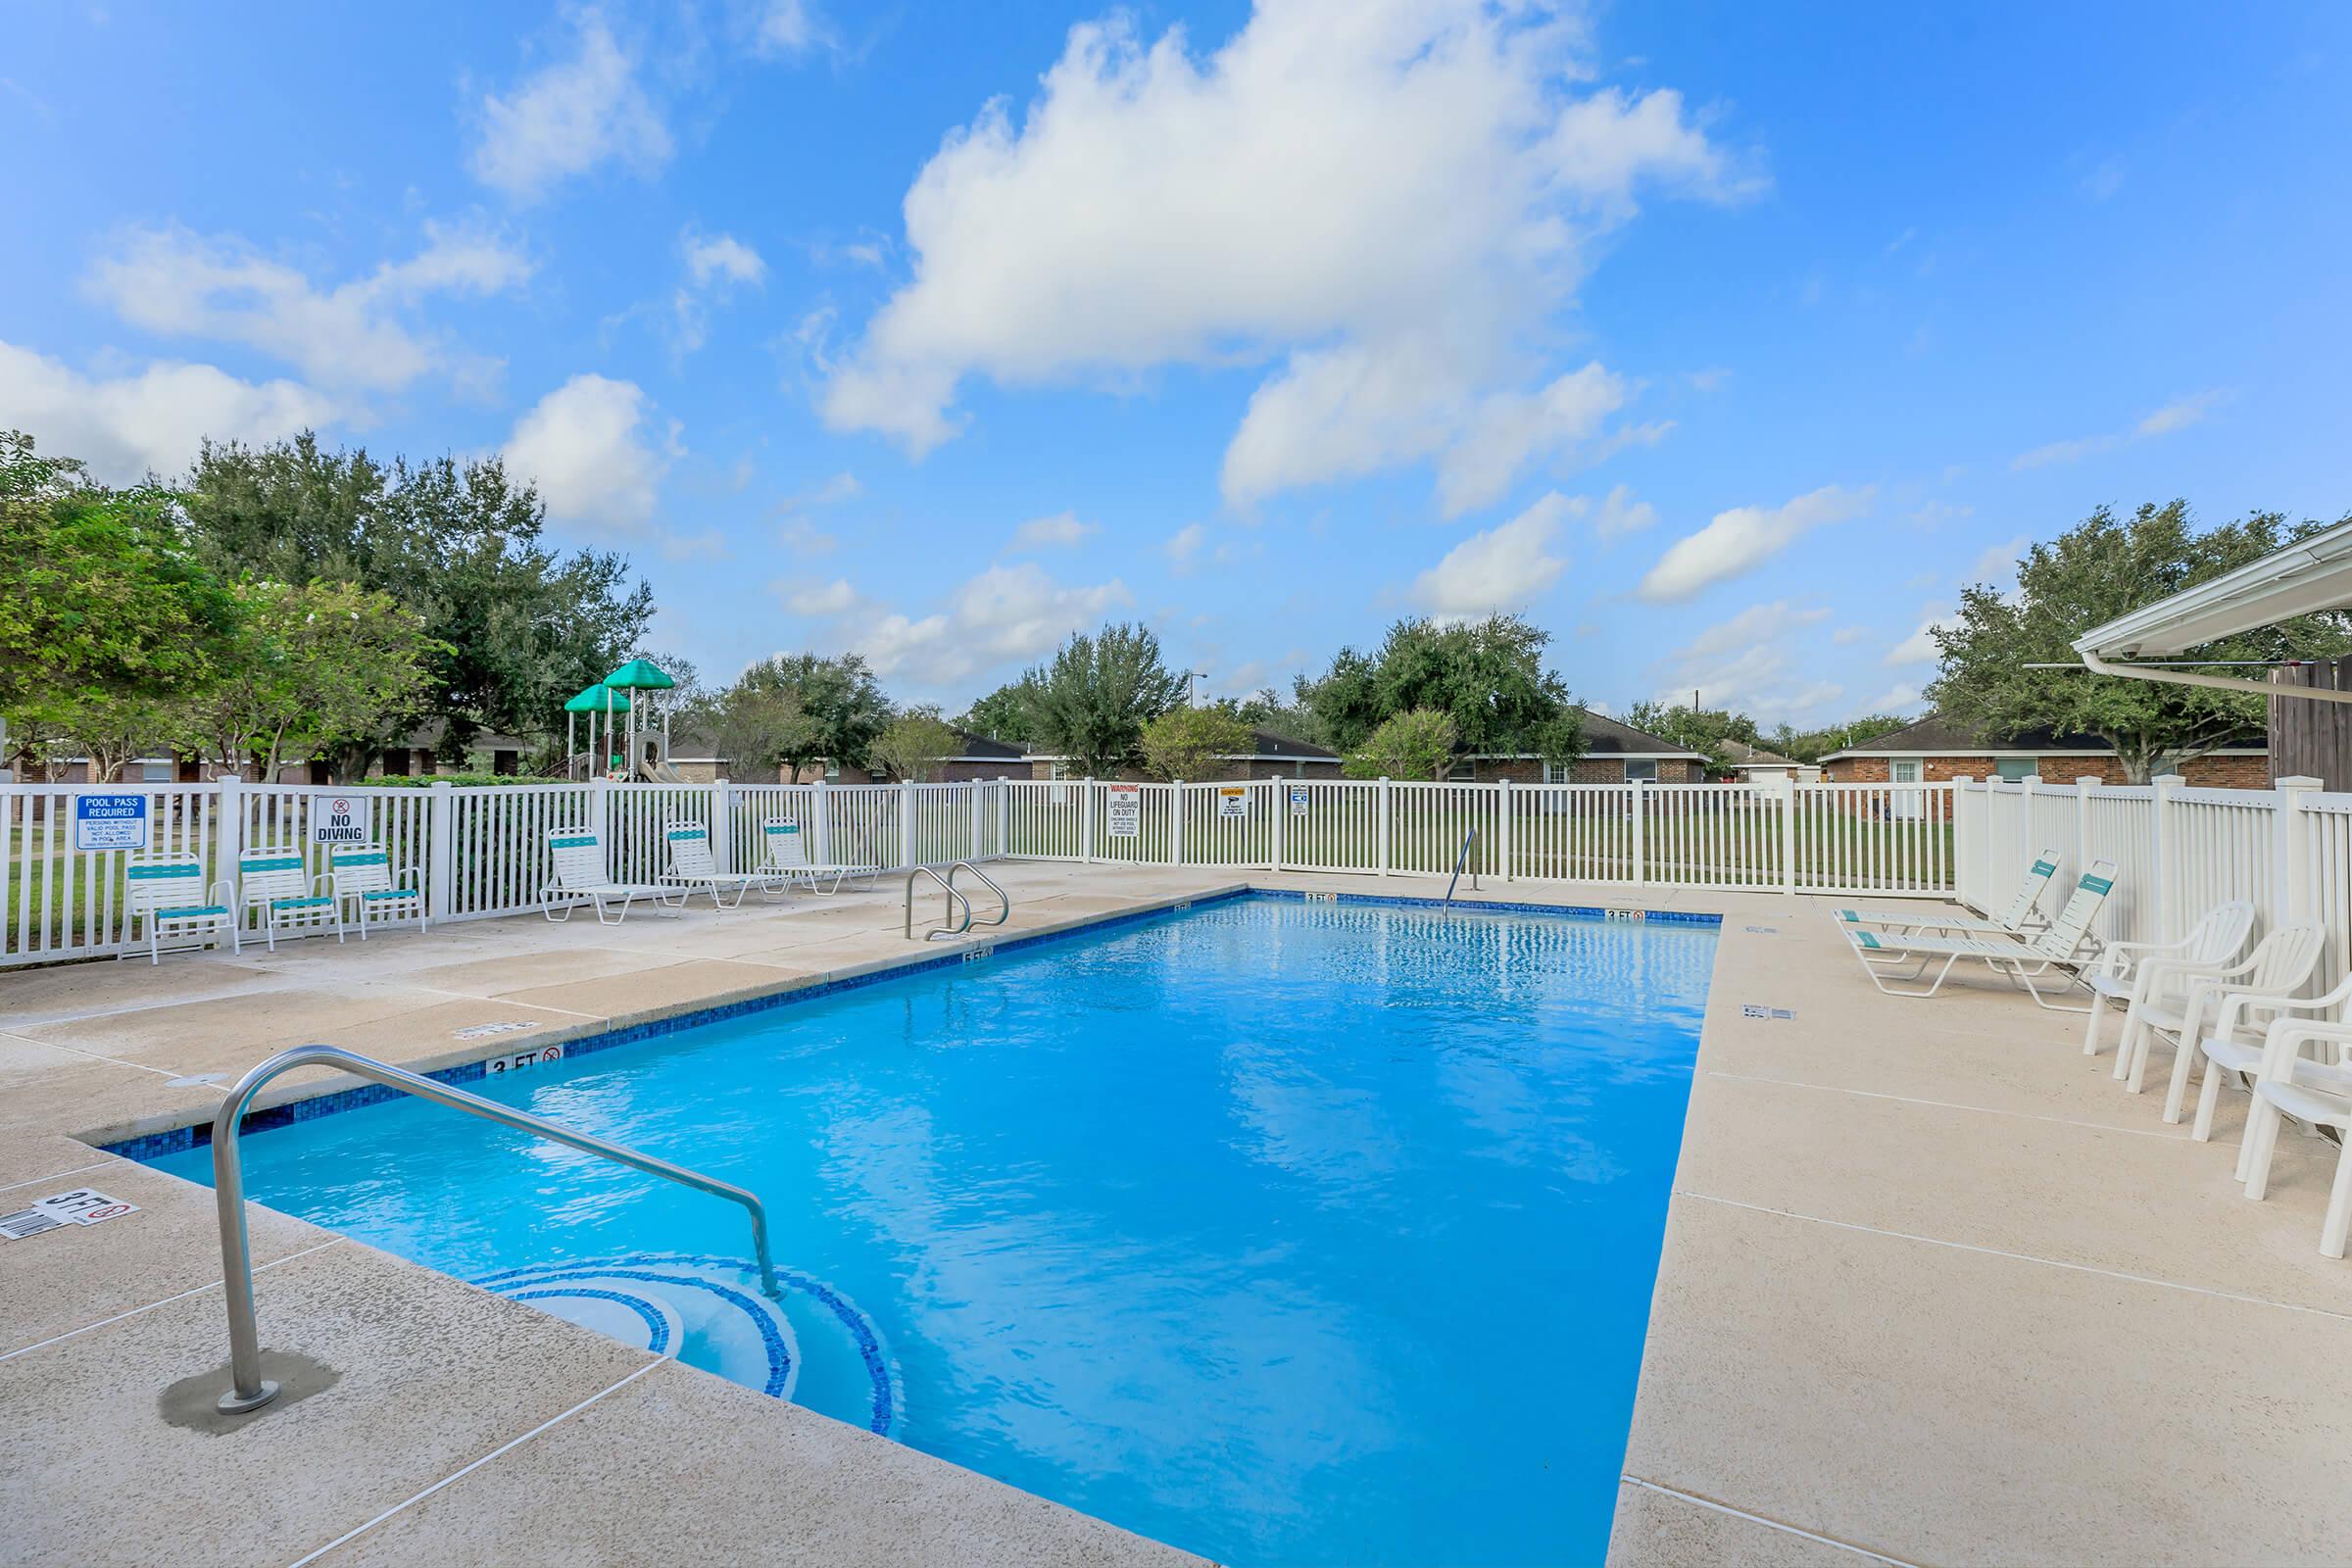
{"points": [[947, 927], [1003, 900], [248, 1389], [1462, 854]]}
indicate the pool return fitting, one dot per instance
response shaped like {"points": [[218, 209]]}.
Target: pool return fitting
{"points": [[248, 1389]]}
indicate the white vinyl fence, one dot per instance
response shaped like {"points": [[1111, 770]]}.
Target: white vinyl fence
{"points": [[480, 850], [2177, 853]]}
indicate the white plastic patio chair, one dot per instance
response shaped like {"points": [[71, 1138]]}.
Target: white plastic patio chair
{"points": [[166, 889], [276, 887], [579, 859], [2233, 1042], [364, 879], [2158, 970], [693, 868], [2316, 1091], [2023, 917], [2067, 946], [788, 856]]}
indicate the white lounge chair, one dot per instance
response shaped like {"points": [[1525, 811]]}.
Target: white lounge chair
{"points": [[693, 868], [2316, 1089], [364, 879], [2023, 916], [276, 887], [2066, 946], [2160, 971], [166, 889], [788, 856], [579, 859], [2280, 965]]}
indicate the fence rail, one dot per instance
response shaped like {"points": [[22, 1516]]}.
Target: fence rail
{"points": [[480, 849]]}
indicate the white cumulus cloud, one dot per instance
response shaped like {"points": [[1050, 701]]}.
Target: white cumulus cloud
{"points": [[1062, 530], [568, 117], [2178, 415], [1003, 616], [1920, 647], [1381, 200], [584, 446], [1504, 569], [356, 334], [1749, 663], [1737, 542], [150, 421]]}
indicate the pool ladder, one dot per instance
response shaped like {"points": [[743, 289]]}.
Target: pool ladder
{"points": [[1460, 855], [248, 1389], [950, 927]]}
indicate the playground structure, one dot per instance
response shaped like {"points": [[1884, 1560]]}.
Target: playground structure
{"points": [[614, 703]]}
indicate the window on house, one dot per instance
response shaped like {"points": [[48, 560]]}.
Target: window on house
{"points": [[2012, 768], [155, 773], [1058, 771], [832, 771], [1641, 769], [1555, 772]]}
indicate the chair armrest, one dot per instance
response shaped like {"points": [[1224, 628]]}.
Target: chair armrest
{"points": [[409, 876], [2285, 1039]]}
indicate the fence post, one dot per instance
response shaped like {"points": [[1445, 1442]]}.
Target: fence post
{"points": [[1640, 867], [441, 850], [600, 815], [1176, 822], [1281, 810], [2293, 841], [979, 838], [1086, 821], [2159, 879], [228, 833], [820, 830], [906, 822], [722, 825], [1787, 791], [1383, 824], [1502, 832], [1004, 816]]}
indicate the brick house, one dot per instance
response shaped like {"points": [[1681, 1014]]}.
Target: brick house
{"points": [[1933, 751], [1753, 764], [1270, 756], [1614, 754]]}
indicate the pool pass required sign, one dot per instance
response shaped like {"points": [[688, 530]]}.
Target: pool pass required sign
{"points": [[109, 821], [1123, 810], [337, 819]]}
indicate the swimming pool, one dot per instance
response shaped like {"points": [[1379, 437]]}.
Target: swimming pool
{"points": [[1281, 1231]]}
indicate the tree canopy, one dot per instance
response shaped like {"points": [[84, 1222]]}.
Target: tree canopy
{"points": [[1695, 729], [1002, 714], [841, 707], [912, 745], [1189, 742], [1090, 703], [1487, 677], [1418, 744], [2100, 568]]}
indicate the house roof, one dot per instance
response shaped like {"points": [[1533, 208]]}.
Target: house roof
{"points": [[1934, 735], [1268, 745], [1743, 755], [1606, 737]]}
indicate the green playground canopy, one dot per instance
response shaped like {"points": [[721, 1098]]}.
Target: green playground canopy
{"points": [[598, 698], [639, 674]]}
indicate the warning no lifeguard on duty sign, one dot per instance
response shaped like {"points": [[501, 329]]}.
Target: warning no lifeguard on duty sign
{"points": [[338, 819]]}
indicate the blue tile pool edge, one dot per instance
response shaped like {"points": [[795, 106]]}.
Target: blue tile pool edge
{"points": [[149, 1146]]}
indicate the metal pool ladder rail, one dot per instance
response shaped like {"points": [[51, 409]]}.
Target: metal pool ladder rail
{"points": [[951, 927], [248, 1389], [1460, 855]]}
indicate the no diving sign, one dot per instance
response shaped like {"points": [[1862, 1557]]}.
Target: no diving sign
{"points": [[338, 819]]}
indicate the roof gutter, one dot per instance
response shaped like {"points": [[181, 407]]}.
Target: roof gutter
{"points": [[2219, 683]]}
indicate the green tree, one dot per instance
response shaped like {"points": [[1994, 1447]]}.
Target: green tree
{"points": [[1697, 729], [309, 668], [1091, 703], [760, 728], [1266, 710], [517, 627], [1812, 745], [1002, 714], [912, 745], [1488, 677], [1417, 744], [1192, 741], [842, 707], [2101, 568]]}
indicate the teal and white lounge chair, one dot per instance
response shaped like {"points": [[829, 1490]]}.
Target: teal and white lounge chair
{"points": [[2022, 918], [693, 868], [578, 857], [364, 879], [2067, 947], [166, 889], [275, 888], [788, 858]]}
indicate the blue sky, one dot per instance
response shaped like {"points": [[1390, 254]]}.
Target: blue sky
{"points": [[1726, 342]]}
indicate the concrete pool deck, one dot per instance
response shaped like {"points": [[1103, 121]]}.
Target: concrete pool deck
{"points": [[1933, 1288]]}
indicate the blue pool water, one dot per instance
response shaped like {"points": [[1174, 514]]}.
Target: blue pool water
{"points": [[1284, 1232]]}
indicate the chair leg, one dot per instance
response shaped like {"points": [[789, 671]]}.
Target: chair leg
{"points": [[2090, 1028], [2185, 1057], [2209, 1097], [2262, 1142], [2333, 1228]]}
